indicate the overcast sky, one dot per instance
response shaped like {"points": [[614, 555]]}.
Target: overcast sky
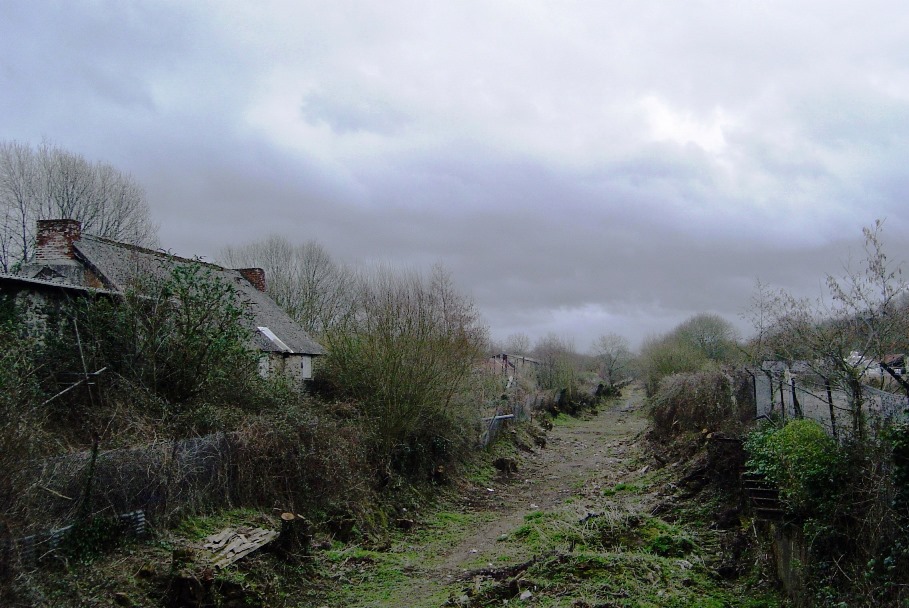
{"points": [[580, 167]]}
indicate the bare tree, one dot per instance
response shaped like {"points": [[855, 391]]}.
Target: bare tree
{"points": [[613, 355], [303, 279], [759, 347], [19, 195], [841, 336], [52, 183], [517, 344]]}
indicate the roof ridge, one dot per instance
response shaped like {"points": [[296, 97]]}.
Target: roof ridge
{"points": [[161, 253]]}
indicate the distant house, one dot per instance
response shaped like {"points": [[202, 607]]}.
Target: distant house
{"points": [[512, 366], [69, 262], [896, 362], [518, 363]]}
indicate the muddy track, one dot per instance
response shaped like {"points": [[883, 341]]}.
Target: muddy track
{"points": [[581, 457]]}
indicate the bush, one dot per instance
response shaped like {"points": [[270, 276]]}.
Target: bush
{"points": [[801, 459], [182, 337], [689, 403], [702, 342], [897, 436], [666, 358], [405, 357], [21, 416], [297, 460]]}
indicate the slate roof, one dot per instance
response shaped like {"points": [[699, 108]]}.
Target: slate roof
{"points": [[116, 263], [25, 282]]}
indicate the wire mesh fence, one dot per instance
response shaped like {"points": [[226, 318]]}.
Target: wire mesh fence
{"points": [[158, 478], [797, 392]]}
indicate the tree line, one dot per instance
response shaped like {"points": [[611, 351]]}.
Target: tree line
{"points": [[49, 182]]}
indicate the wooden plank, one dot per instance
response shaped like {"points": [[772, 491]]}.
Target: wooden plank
{"points": [[233, 544]]}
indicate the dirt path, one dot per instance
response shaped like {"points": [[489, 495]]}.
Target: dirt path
{"points": [[582, 457]]}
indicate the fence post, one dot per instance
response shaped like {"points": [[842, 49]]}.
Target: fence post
{"points": [[85, 507], [796, 406], [830, 403], [782, 399]]}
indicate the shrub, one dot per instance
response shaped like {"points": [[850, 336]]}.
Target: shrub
{"points": [[689, 403], [181, 336], [405, 357], [897, 436], [21, 416], [666, 358], [298, 460], [702, 342], [801, 459]]}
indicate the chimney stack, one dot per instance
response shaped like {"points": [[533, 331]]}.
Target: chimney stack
{"points": [[54, 241], [256, 276]]}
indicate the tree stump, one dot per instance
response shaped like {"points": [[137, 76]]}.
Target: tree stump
{"points": [[295, 536]]}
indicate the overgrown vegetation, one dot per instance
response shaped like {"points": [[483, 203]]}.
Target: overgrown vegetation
{"points": [[801, 460], [686, 405], [180, 336], [844, 498], [844, 502], [180, 420], [405, 357], [702, 342], [842, 336]]}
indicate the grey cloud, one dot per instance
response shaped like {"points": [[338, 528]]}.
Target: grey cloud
{"points": [[353, 113], [513, 147]]}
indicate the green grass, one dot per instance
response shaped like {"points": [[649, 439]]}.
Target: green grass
{"points": [[615, 559], [566, 421], [622, 487]]}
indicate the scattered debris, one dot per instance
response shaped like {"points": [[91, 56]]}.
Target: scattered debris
{"points": [[232, 544]]}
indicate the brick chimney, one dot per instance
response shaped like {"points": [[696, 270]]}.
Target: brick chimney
{"points": [[256, 276], [54, 241]]}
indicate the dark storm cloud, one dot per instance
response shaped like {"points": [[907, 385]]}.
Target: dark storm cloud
{"points": [[581, 168]]}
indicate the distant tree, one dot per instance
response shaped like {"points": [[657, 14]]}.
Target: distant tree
{"points": [[559, 362], [710, 334], [758, 347], [52, 183], [303, 279], [613, 355], [517, 344]]}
